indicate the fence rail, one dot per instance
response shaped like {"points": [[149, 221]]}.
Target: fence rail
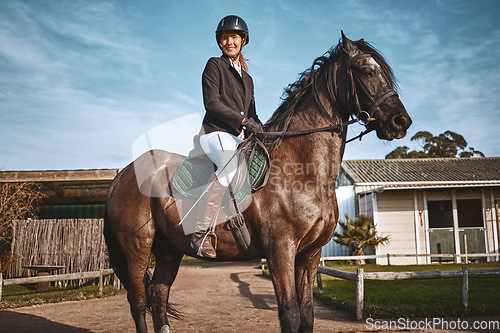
{"points": [[360, 276], [58, 277], [388, 256]]}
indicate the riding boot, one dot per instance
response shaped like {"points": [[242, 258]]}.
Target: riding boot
{"points": [[201, 241]]}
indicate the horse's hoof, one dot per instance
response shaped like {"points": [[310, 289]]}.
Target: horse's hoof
{"points": [[164, 329]]}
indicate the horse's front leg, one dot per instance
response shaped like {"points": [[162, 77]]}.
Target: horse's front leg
{"points": [[281, 263], [306, 267]]}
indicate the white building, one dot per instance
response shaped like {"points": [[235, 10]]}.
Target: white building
{"points": [[426, 206]]}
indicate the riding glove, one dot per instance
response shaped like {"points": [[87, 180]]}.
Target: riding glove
{"points": [[252, 126]]}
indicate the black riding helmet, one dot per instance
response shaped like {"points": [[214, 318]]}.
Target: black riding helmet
{"points": [[232, 23]]}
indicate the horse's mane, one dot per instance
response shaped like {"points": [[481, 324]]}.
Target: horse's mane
{"points": [[296, 91]]}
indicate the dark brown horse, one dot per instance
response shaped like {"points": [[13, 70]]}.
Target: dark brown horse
{"points": [[290, 219]]}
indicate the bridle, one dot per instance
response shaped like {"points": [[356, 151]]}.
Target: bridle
{"points": [[363, 117], [357, 116]]}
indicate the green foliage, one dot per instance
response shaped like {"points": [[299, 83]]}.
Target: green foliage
{"points": [[17, 202], [360, 233], [447, 144]]}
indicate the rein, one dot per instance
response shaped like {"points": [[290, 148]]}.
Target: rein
{"points": [[317, 130], [358, 116], [286, 134]]}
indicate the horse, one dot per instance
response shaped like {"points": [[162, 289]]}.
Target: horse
{"points": [[290, 219]]}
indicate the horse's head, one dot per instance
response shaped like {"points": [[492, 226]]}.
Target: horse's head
{"points": [[371, 91]]}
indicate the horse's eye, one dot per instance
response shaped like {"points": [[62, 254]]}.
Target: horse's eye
{"points": [[367, 73]]}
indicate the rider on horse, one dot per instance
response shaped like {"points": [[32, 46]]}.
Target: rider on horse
{"points": [[228, 95]]}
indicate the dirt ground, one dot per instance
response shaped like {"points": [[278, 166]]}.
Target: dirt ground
{"points": [[222, 298]]}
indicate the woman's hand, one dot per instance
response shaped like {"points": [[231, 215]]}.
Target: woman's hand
{"points": [[252, 126]]}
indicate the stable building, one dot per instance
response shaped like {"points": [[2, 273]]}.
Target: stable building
{"points": [[68, 230], [68, 193], [427, 206]]}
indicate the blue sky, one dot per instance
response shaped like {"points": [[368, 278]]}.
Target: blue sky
{"points": [[81, 82]]}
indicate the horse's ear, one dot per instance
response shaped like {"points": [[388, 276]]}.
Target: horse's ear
{"points": [[348, 45]]}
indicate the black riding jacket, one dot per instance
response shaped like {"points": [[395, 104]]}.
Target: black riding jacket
{"points": [[228, 97]]}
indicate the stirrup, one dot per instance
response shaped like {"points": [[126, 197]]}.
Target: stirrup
{"points": [[209, 233]]}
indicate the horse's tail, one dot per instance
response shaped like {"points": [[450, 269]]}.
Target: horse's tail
{"points": [[117, 258]]}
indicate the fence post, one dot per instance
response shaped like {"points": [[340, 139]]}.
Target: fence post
{"points": [[465, 286], [320, 283], [465, 249], [1, 286], [359, 294], [101, 284], [118, 282]]}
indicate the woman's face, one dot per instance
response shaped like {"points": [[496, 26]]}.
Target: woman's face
{"points": [[231, 43]]}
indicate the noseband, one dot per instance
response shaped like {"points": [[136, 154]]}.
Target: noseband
{"points": [[357, 116]]}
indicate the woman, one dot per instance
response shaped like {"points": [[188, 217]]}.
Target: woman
{"points": [[228, 96]]}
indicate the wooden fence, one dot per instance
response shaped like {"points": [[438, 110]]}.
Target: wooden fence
{"points": [[360, 276], [456, 257], [60, 277], [77, 244]]}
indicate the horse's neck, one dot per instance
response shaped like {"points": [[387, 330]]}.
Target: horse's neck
{"points": [[319, 154]]}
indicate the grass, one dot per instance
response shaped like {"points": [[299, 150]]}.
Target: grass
{"points": [[16, 296], [413, 298]]}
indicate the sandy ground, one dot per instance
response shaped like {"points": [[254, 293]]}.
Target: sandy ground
{"points": [[222, 298]]}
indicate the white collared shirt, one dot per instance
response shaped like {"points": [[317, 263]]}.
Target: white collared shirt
{"points": [[237, 67]]}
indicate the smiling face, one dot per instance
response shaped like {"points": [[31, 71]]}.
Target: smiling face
{"points": [[231, 43]]}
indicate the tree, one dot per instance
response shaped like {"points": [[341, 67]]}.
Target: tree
{"points": [[447, 144], [359, 234], [17, 202]]}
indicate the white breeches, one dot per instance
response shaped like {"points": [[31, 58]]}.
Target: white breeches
{"points": [[221, 147]]}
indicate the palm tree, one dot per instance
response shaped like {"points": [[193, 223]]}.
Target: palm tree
{"points": [[359, 234]]}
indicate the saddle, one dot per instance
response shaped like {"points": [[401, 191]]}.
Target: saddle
{"points": [[196, 171]]}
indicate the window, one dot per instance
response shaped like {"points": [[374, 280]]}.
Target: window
{"points": [[469, 213], [440, 214]]}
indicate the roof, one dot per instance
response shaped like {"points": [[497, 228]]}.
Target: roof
{"points": [[66, 186], [428, 171]]}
